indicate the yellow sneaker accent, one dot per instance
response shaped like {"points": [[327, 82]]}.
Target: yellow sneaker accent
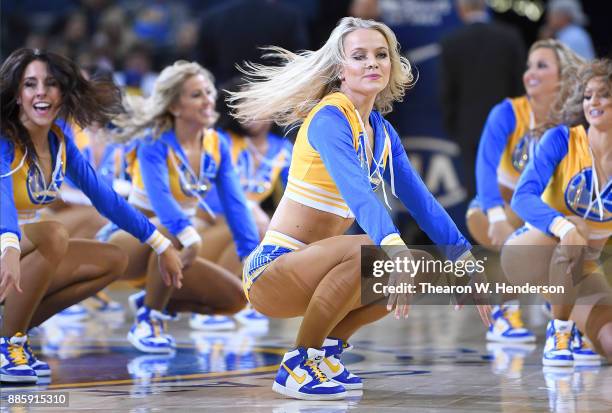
{"points": [[298, 379], [335, 368]]}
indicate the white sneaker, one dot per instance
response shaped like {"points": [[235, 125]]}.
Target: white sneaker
{"points": [[299, 377], [582, 350], [333, 368], [557, 350], [205, 322], [147, 334], [74, 313], [508, 326], [249, 317]]}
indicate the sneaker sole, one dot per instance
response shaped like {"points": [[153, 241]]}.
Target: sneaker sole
{"points": [[354, 386], [7, 378], [153, 350], [304, 396], [132, 306], [498, 339], [250, 323], [218, 327], [558, 363], [43, 373], [587, 361]]}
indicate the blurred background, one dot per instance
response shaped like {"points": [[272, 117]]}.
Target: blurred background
{"points": [[132, 40]]}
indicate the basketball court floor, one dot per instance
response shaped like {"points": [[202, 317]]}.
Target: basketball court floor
{"points": [[436, 361]]}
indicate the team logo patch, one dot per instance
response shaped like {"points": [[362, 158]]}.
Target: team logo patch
{"points": [[193, 184], [580, 195], [39, 193], [522, 152]]}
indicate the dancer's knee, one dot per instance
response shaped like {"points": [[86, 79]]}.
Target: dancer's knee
{"points": [[605, 340], [51, 241]]}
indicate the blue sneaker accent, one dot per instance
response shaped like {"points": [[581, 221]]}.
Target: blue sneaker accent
{"points": [[149, 366], [333, 368], [147, 333], [205, 322], [40, 367], [14, 366], [508, 327], [137, 300], [583, 352], [557, 351], [72, 314], [299, 377], [249, 317]]}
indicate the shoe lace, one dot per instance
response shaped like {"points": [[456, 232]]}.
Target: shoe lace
{"points": [[157, 326], [314, 370], [562, 340], [514, 318], [17, 354]]}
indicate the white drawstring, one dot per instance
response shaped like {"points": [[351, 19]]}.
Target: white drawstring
{"points": [[594, 187], [380, 162], [6, 175], [187, 185]]}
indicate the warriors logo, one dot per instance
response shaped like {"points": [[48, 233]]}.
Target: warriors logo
{"points": [[190, 183], [38, 191], [581, 199], [522, 152]]}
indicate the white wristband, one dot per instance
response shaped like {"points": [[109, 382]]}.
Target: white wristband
{"points": [[9, 240], [393, 244], [188, 237], [496, 214], [561, 226], [158, 242]]}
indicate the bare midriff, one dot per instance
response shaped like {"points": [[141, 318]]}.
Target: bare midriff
{"points": [[307, 224]]}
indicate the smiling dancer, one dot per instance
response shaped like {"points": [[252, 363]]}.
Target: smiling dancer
{"points": [[344, 149], [174, 167], [511, 130], [565, 197], [42, 270]]}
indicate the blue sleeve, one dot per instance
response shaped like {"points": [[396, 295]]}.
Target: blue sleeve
{"points": [[500, 124], [422, 205], [284, 175], [9, 222], [330, 134], [153, 159], [527, 201], [233, 200], [106, 201]]}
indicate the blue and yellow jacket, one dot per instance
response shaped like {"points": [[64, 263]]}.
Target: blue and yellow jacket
{"points": [[559, 181], [330, 172], [163, 182], [504, 150], [25, 191], [258, 177]]}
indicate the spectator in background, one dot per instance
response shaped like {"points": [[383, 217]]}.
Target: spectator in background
{"points": [[137, 77], [481, 63], [564, 21], [232, 33]]}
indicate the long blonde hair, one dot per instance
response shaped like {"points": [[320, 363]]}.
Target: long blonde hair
{"points": [[569, 64], [287, 93], [154, 112], [573, 111]]}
